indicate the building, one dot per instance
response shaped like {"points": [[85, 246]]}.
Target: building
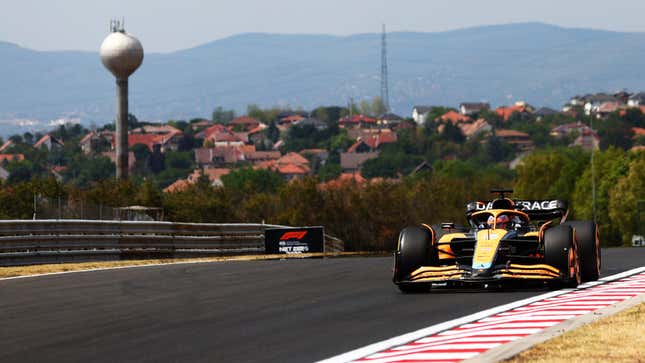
{"points": [[480, 126], [219, 156], [313, 122], [49, 142], [4, 174], [505, 112], [95, 141], [420, 114], [519, 140], [585, 136], [372, 142], [357, 121], [453, 117], [351, 162], [7, 158], [6, 146], [245, 123], [470, 108], [636, 100], [219, 135]]}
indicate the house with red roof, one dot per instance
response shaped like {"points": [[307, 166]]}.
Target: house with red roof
{"points": [[219, 155], [7, 158], [200, 125], [354, 121], [214, 175], [454, 117], [178, 186], [6, 146], [94, 140], [586, 138], [49, 142], [505, 112], [480, 126], [518, 139], [372, 142], [219, 135], [291, 166], [244, 123], [638, 132], [256, 157], [290, 120], [344, 179]]}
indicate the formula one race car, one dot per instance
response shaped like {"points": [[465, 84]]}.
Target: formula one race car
{"points": [[528, 240]]}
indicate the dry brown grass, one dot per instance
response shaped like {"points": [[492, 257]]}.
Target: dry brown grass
{"points": [[64, 267], [618, 338]]}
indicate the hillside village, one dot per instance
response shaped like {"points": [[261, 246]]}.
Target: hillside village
{"points": [[335, 144]]}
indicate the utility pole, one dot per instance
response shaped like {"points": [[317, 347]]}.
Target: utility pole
{"points": [[385, 92], [593, 175]]}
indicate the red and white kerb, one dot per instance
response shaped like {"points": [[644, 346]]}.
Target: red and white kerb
{"points": [[468, 340]]}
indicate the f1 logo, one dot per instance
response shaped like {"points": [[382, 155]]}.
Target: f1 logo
{"points": [[293, 235]]}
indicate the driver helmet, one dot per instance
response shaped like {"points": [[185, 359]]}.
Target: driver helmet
{"points": [[502, 221]]}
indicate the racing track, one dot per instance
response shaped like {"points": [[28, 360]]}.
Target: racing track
{"points": [[273, 311]]}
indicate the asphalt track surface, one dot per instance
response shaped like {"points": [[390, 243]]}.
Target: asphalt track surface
{"points": [[259, 311]]}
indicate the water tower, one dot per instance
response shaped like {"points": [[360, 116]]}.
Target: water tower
{"points": [[121, 54]]}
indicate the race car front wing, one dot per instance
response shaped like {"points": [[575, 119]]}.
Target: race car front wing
{"points": [[464, 273]]}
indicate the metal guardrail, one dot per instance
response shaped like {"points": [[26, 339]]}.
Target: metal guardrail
{"points": [[26, 242]]}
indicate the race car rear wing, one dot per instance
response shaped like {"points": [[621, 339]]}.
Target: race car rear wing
{"points": [[538, 210]]}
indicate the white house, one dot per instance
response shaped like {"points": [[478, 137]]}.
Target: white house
{"points": [[420, 114]]}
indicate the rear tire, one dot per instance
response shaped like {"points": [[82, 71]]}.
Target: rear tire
{"points": [[586, 233], [561, 252], [415, 250]]}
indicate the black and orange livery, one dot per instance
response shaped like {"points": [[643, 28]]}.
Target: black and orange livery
{"points": [[506, 240]]}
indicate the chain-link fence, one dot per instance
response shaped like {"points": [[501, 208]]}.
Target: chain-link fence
{"points": [[63, 208]]}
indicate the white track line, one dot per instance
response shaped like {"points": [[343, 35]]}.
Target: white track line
{"points": [[434, 329]]}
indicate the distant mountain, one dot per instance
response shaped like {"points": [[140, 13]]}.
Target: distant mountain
{"points": [[541, 64]]}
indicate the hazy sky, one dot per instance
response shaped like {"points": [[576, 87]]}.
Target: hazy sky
{"points": [[164, 26]]}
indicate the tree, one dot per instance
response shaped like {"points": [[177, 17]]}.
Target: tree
{"points": [[222, 115], [497, 150], [28, 137], [390, 165], [273, 133], [550, 174], [142, 157], [452, 133], [149, 194], [329, 171], [624, 199], [609, 167], [615, 132], [378, 107], [83, 170], [247, 181], [133, 122]]}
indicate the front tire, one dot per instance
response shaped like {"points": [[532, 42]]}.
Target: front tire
{"points": [[414, 250], [561, 252], [586, 233]]}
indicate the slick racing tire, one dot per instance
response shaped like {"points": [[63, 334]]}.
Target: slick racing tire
{"points": [[415, 248], [561, 252], [586, 233]]}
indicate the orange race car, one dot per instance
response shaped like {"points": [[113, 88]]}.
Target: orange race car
{"points": [[507, 239]]}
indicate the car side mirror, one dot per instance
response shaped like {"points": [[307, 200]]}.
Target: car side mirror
{"points": [[447, 225]]}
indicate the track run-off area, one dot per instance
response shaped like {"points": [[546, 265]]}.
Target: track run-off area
{"points": [[273, 311]]}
